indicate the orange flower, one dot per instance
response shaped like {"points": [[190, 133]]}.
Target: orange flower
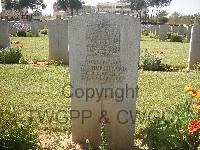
{"points": [[196, 106], [192, 91], [17, 44], [193, 126]]}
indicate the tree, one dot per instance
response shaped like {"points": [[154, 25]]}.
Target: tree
{"points": [[162, 17], [138, 6], [158, 4], [163, 13], [71, 4], [174, 18], [20, 5]]}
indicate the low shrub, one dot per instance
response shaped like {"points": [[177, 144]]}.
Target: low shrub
{"points": [[14, 133], [180, 129], [21, 33], [10, 55], [152, 62], [196, 66], [169, 35], [176, 38], [23, 60], [153, 36], [44, 31], [29, 34], [104, 143], [56, 62], [145, 32]]}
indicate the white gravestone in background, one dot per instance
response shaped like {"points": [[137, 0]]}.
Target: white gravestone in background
{"points": [[58, 40], [174, 29], [35, 27], [4, 34], [163, 29], [157, 30], [189, 30], [104, 54], [194, 52], [182, 30]]}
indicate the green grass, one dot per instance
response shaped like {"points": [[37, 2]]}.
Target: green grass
{"points": [[40, 87], [175, 53], [162, 91], [36, 47]]}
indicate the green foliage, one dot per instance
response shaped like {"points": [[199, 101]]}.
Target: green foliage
{"points": [[152, 63], [57, 62], [21, 33], [153, 36], [71, 4], [159, 3], [89, 145], [163, 20], [145, 32], [44, 31], [103, 145], [138, 5], [23, 61], [176, 38], [171, 130], [10, 56], [14, 134], [169, 35], [29, 34], [19, 5], [162, 17], [196, 66]]}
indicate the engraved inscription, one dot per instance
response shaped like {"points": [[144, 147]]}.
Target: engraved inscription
{"points": [[103, 53]]}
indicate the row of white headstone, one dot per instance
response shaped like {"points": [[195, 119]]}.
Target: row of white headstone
{"points": [[58, 37], [35, 26], [162, 30]]}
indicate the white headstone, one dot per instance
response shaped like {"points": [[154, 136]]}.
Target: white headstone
{"points": [[174, 29], [157, 30], [12, 30], [104, 53], [182, 30], [194, 52], [58, 40], [153, 29], [189, 30], [163, 29], [35, 27], [4, 35]]}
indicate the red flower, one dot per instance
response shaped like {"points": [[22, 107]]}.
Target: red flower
{"points": [[193, 125]]}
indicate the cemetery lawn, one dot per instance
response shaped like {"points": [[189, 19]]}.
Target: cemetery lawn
{"points": [[32, 87], [36, 47]]}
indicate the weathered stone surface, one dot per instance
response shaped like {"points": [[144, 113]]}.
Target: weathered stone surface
{"points": [[153, 29], [163, 29], [189, 30], [58, 40], [194, 52], [104, 54], [182, 30], [174, 29], [4, 35], [157, 30], [35, 27]]}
